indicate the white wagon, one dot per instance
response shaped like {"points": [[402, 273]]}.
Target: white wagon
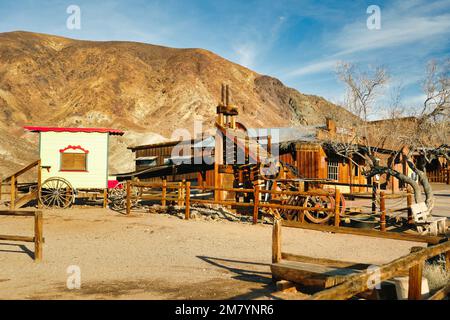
{"points": [[72, 160]]}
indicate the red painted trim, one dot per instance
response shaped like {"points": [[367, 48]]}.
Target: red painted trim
{"points": [[73, 148], [88, 130]]}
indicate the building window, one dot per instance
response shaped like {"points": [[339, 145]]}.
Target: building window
{"points": [[73, 161], [333, 170]]}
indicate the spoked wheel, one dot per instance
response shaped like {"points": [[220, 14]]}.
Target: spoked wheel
{"points": [[56, 193], [319, 216], [118, 197]]}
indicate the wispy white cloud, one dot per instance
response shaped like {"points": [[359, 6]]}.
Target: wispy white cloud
{"points": [[314, 67]]}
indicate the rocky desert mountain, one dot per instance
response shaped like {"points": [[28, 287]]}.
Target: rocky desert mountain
{"points": [[144, 89]]}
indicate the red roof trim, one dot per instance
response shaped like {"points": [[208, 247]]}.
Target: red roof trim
{"points": [[88, 130]]}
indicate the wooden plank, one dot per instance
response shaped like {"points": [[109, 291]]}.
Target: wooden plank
{"points": [[25, 199], [276, 241], [16, 238], [441, 294], [324, 262], [164, 193], [415, 282], [22, 171], [105, 198], [367, 233], [38, 236], [358, 283], [14, 213], [309, 274], [13, 193]]}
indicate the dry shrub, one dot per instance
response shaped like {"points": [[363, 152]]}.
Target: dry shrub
{"points": [[436, 275]]}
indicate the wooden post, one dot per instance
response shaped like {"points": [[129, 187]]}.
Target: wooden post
{"points": [[39, 183], [164, 193], [269, 145], [105, 198], [448, 176], [276, 240], [415, 278], [13, 193], [38, 238], [188, 201], [1, 185], [128, 197], [337, 208], [409, 202], [255, 204], [383, 211]]}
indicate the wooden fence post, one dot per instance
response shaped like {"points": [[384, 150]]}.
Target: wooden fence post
{"points": [[164, 193], [415, 278], [105, 198], [128, 197], [276, 240], [13, 193], [188, 201], [38, 238], [337, 208], [1, 185], [255, 204], [383, 211], [39, 183], [409, 203]]}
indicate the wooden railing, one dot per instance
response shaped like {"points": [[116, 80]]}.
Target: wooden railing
{"points": [[184, 197], [38, 238], [440, 176], [12, 182], [356, 283]]}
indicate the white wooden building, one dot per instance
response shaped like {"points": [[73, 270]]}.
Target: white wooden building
{"points": [[79, 155]]}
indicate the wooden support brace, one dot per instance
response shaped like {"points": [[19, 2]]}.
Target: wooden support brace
{"points": [[256, 204], [337, 208], [164, 193], [276, 241]]}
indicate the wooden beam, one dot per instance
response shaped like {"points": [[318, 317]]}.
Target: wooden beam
{"points": [[276, 241], [38, 238], [355, 284], [441, 294], [324, 262], [367, 233], [16, 238], [337, 208], [309, 274], [164, 193], [415, 282]]}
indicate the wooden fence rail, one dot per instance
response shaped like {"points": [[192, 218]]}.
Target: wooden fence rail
{"points": [[356, 283], [440, 176], [38, 238], [185, 197]]}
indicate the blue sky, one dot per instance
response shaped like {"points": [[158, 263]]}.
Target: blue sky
{"points": [[297, 41]]}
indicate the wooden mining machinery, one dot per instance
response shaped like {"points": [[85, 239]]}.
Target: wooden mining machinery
{"points": [[242, 161]]}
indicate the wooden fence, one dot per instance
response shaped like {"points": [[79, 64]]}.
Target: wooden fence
{"points": [[38, 238], [353, 284], [184, 197], [11, 182], [439, 176]]}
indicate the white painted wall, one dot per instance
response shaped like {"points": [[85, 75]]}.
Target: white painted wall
{"points": [[97, 159]]}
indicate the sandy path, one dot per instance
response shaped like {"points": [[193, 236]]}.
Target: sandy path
{"points": [[162, 257]]}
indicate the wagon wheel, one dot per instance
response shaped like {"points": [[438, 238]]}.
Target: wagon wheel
{"points": [[319, 216], [56, 193], [118, 197]]}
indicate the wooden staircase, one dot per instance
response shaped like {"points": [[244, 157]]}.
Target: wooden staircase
{"points": [[15, 195]]}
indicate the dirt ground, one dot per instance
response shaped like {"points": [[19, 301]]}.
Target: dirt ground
{"points": [[149, 256]]}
